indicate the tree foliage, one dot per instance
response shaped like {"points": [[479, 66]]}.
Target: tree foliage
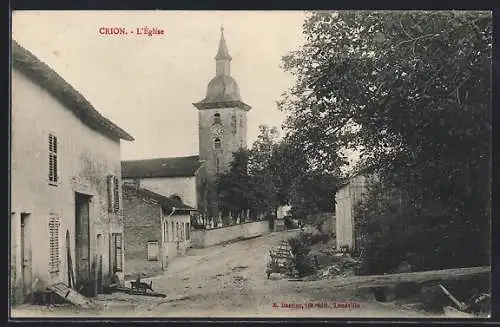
{"points": [[234, 188], [412, 92], [274, 172]]}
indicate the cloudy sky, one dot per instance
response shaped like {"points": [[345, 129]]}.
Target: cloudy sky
{"points": [[147, 85]]}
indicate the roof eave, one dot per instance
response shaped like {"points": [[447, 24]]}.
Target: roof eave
{"points": [[205, 104]]}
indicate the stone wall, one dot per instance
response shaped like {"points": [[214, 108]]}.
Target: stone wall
{"points": [[209, 237], [142, 223]]}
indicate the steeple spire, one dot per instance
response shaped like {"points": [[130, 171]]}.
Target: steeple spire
{"points": [[222, 58]]}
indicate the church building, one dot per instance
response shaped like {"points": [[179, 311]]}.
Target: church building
{"points": [[222, 130]]}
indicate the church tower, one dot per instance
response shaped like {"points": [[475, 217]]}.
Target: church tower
{"points": [[222, 122]]}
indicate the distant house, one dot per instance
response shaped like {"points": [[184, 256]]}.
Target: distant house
{"points": [[348, 196], [65, 174], [281, 213], [181, 177], [157, 229]]}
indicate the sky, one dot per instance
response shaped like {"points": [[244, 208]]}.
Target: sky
{"points": [[147, 84]]}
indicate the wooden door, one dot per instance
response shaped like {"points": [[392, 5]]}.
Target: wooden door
{"points": [[99, 254], [153, 251], [82, 242], [26, 263]]}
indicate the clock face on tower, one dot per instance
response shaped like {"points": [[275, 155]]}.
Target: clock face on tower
{"points": [[217, 130]]}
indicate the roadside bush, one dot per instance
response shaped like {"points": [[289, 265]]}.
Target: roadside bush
{"points": [[301, 247], [426, 232], [320, 238], [289, 223]]}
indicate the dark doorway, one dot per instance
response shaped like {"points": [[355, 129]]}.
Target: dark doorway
{"points": [[82, 244], [99, 252], [26, 264]]}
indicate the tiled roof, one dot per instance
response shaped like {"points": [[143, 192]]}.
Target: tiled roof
{"points": [[47, 78], [167, 203], [161, 167]]}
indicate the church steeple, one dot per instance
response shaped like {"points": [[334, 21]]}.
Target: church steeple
{"points": [[222, 59]]}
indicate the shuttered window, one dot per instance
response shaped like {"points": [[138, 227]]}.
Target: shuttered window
{"points": [[187, 232], [53, 176], [54, 244], [113, 193], [118, 249], [234, 124], [116, 192]]}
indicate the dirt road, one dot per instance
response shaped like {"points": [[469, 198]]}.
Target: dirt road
{"points": [[230, 281]]}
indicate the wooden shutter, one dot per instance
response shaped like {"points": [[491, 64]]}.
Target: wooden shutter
{"points": [[116, 194], [53, 176], [118, 251], [153, 251], [54, 244], [111, 193]]}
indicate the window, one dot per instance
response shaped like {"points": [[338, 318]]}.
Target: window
{"points": [[173, 231], [187, 231], [165, 231], [217, 165], [53, 244], [177, 232], [153, 251], [217, 144], [53, 176], [113, 194], [182, 232], [117, 252], [217, 118], [234, 124]]}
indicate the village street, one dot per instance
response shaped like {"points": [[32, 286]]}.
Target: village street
{"points": [[230, 281]]}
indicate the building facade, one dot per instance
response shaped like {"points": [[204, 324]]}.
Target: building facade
{"points": [[157, 229], [222, 123], [66, 221], [346, 198], [179, 176]]}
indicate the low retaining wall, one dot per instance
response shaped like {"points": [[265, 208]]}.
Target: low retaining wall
{"points": [[208, 237]]}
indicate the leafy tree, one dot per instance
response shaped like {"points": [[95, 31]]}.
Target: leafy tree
{"points": [[264, 177], [412, 92], [234, 188]]}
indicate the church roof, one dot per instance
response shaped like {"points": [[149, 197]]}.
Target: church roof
{"points": [[167, 203], [222, 53], [222, 90], [40, 73], [161, 167]]}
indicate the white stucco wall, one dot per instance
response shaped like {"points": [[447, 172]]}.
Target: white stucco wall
{"points": [[209, 237], [345, 200], [85, 157], [176, 243], [283, 211]]}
